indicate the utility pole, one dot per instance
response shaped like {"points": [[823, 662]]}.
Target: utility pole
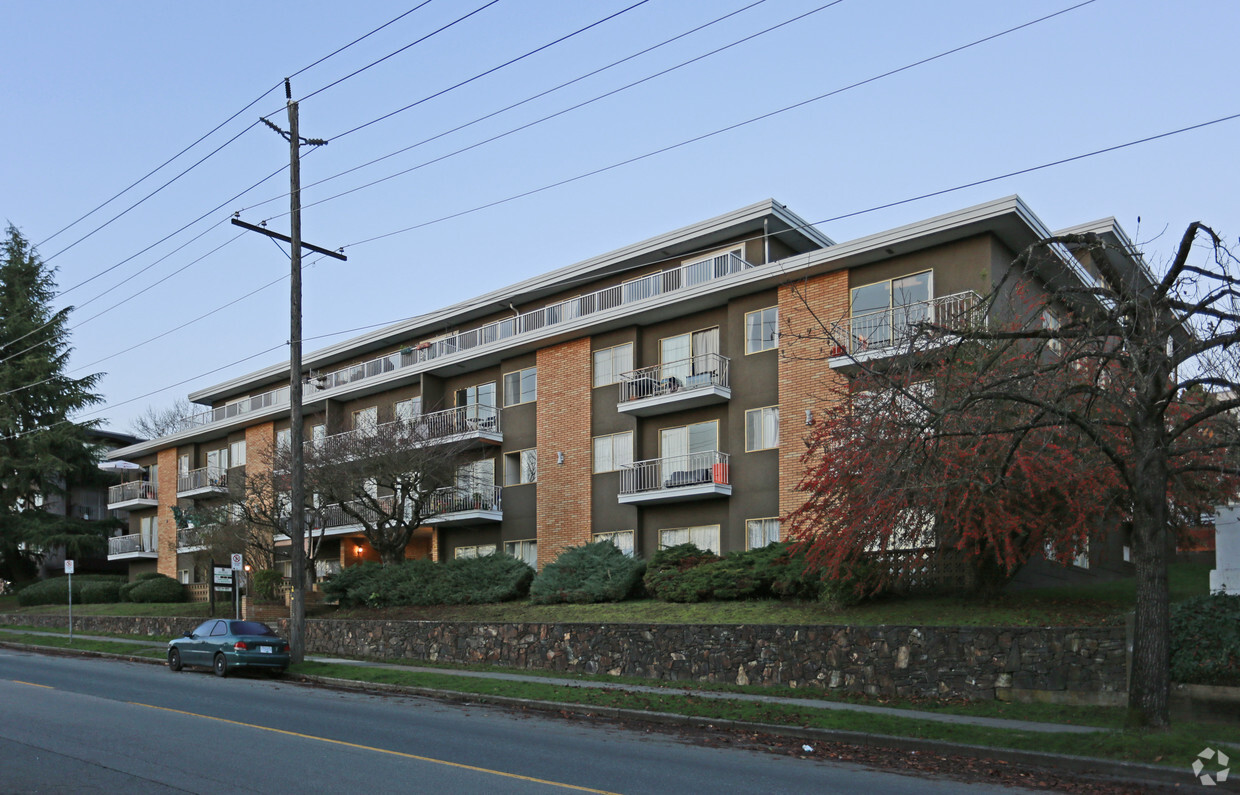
{"points": [[297, 497]]}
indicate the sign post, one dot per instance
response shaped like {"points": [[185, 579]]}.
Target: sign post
{"points": [[237, 563], [221, 580], [69, 572]]}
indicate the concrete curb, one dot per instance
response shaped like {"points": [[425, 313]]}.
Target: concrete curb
{"points": [[1132, 772]]}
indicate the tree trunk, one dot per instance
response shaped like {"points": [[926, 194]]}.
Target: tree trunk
{"points": [[1150, 673]]}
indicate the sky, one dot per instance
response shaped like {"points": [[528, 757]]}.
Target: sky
{"points": [[132, 135]]}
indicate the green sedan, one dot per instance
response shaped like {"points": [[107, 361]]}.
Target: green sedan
{"points": [[222, 645]]}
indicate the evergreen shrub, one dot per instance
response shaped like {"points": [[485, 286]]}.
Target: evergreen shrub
{"points": [[55, 590], [1205, 640], [157, 589], [482, 580], [597, 572], [99, 593]]}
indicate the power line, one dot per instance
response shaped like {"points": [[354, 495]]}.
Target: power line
{"points": [[437, 31], [216, 129], [527, 100], [728, 128], [492, 70]]}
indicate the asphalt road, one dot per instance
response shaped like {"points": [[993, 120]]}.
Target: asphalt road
{"points": [[87, 725]]}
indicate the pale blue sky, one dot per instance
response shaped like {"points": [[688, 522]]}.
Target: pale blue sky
{"points": [[96, 95]]}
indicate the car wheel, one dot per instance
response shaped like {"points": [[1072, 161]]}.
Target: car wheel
{"points": [[221, 665], [276, 671], [174, 660]]}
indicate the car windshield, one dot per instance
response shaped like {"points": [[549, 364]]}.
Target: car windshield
{"points": [[250, 628]]}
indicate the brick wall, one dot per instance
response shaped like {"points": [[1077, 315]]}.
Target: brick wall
{"points": [[563, 426], [167, 488], [805, 380]]}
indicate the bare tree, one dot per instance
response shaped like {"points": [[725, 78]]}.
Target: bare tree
{"points": [[391, 478], [155, 423], [1133, 373]]}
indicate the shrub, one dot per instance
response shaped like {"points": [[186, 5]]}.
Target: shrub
{"points": [[597, 572], [1205, 640], [99, 593], [687, 574], [267, 585], [667, 565], [56, 589], [491, 578], [159, 588]]}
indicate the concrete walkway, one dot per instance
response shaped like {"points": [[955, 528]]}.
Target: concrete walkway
{"points": [[686, 689]]}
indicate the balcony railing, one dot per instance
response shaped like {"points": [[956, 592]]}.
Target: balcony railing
{"points": [[190, 538], [676, 472], [684, 277], [875, 331], [215, 478], [699, 372], [131, 544], [133, 490], [456, 499], [438, 426]]}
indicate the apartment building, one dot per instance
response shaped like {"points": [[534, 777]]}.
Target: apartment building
{"points": [[652, 395]]}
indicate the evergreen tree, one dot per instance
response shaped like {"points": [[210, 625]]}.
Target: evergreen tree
{"points": [[41, 450]]}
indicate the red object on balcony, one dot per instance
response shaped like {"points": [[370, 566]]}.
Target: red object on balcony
{"points": [[721, 474]]}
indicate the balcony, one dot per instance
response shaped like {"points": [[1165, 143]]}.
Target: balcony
{"points": [[132, 547], [875, 335], [696, 476], [686, 384], [473, 425], [132, 495], [455, 506], [683, 278], [202, 482], [191, 539]]}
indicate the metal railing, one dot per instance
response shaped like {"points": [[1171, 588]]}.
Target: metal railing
{"points": [[129, 544], [133, 490], [202, 478], [659, 474], [641, 289], [887, 328], [436, 426], [190, 537], [455, 499], [697, 372]]}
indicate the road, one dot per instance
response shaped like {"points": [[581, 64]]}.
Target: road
{"points": [[86, 725]]}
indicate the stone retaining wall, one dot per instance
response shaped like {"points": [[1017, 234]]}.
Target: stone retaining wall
{"points": [[915, 661], [968, 662]]}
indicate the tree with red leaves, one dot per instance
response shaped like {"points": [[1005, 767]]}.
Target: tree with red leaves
{"points": [[1057, 409]]}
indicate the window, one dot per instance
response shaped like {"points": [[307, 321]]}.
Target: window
{"points": [[182, 466], [689, 354], [613, 451], [408, 410], [523, 550], [1081, 559], [914, 530], [701, 437], [148, 528], [623, 539], [217, 462], [1050, 322], [366, 421], [609, 363], [183, 576], [762, 428], [318, 435], [520, 467], [284, 440], [883, 312], [762, 532], [762, 330], [236, 453], [476, 551], [521, 386], [477, 395], [476, 476], [703, 537]]}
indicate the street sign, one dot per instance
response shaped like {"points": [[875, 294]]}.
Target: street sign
{"points": [[223, 576], [236, 562], [68, 567]]}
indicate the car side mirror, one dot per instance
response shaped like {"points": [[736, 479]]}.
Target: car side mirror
{"points": [[188, 635]]}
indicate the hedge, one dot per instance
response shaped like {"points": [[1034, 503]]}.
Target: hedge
{"points": [[491, 578], [1205, 640], [597, 572], [684, 573], [128, 587], [56, 589], [157, 589], [99, 593]]}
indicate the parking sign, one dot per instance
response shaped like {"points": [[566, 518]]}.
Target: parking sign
{"points": [[236, 562], [68, 567]]}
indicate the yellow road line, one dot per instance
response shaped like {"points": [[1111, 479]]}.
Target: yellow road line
{"points": [[378, 750], [32, 684]]}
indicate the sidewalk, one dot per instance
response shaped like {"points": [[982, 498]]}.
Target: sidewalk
{"points": [[814, 703]]}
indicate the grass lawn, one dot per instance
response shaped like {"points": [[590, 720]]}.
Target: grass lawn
{"points": [[83, 644], [1174, 748], [1103, 604]]}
